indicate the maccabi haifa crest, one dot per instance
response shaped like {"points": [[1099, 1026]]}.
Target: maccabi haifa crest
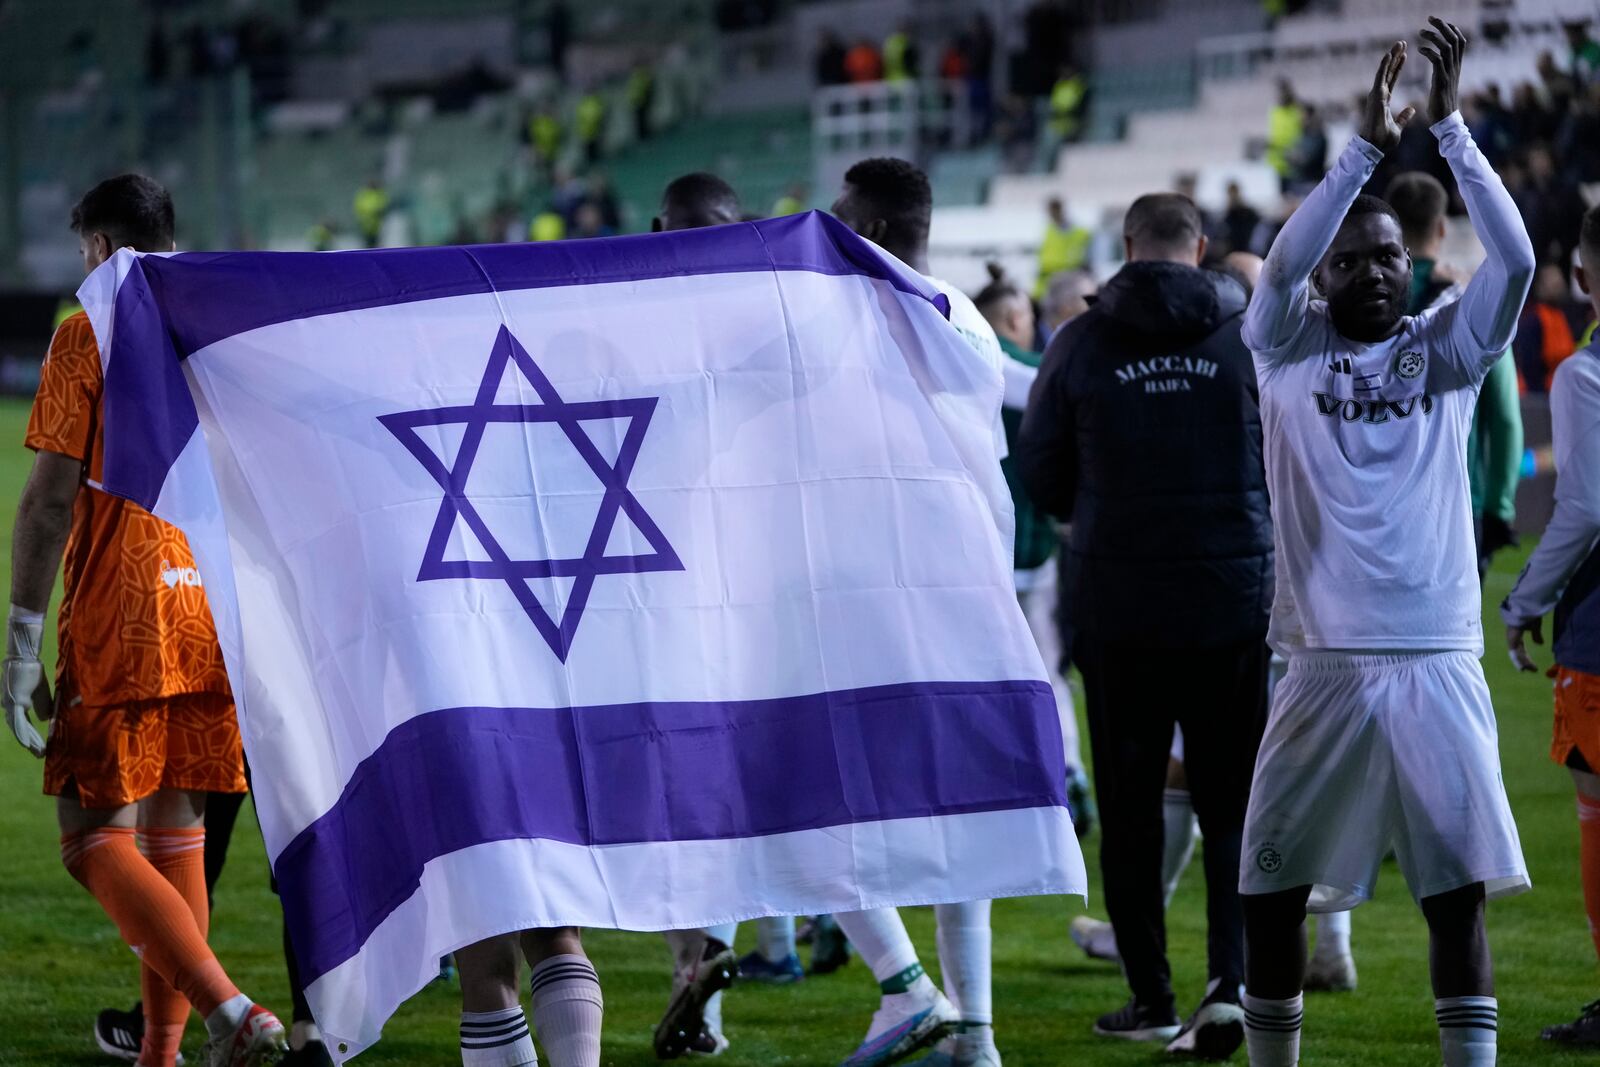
{"points": [[519, 574]]}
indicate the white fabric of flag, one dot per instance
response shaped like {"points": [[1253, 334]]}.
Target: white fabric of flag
{"points": [[637, 583]]}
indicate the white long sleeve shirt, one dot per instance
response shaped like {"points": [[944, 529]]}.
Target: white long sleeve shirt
{"points": [[1366, 443]]}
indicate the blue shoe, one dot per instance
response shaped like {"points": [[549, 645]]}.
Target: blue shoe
{"points": [[757, 968], [890, 1040]]}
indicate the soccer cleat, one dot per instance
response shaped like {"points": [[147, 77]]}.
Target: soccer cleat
{"points": [[830, 949], [1331, 975], [1582, 1032], [1080, 802], [447, 968], [757, 968], [1214, 1032], [971, 1048], [708, 1042], [904, 1023], [259, 1041], [1135, 1022], [1096, 938], [680, 1027], [120, 1033]]}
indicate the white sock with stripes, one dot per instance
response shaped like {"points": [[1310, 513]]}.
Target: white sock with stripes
{"points": [[1467, 1030], [1272, 1030], [496, 1039], [567, 1010]]}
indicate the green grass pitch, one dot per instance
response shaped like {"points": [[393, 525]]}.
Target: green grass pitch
{"points": [[61, 959]]}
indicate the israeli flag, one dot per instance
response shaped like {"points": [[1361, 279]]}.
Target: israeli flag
{"points": [[637, 583]]}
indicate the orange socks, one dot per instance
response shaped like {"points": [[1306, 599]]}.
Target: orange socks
{"points": [[1589, 862], [179, 856], [153, 915]]}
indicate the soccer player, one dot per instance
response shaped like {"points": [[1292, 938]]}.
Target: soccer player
{"points": [[1494, 448], [696, 200], [1144, 432], [567, 1006], [1564, 574], [1381, 731], [890, 203], [144, 722]]}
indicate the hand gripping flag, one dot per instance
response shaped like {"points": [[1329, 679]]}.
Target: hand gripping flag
{"points": [[637, 583]]}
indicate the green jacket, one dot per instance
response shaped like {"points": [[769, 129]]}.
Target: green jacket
{"points": [[1494, 447], [1037, 537]]}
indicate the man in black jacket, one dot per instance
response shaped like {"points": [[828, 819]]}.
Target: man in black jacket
{"points": [[1143, 431]]}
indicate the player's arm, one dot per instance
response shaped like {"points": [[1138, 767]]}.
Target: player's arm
{"points": [[1277, 310], [1487, 317], [44, 515], [1047, 442], [1574, 528]]}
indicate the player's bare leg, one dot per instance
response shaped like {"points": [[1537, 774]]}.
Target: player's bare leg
{"points": [[1275, 963], [494, 1030], [1463, 976], [567, 1006]]}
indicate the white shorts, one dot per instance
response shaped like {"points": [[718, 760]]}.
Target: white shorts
{"points": [[1365, 752]]}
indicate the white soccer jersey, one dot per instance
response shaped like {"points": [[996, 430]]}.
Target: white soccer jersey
{"points": [[1366, 443], [975, 329]]}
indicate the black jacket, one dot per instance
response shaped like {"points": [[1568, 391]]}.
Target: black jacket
{"points": [[1144, 432]]}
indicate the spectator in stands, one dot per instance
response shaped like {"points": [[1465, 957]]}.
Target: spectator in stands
{"points": [[1544, 334], [1578, 139], [547, 225], [1490, 124], [371, 205], [1284, 124], [1552, 208], [1531, 119], [589, 222], [694, 201], [558, 30], [1239, 221], [545, 134], [601, 195], [793, 201], [829, 63], [1559, 86], [1017, 133], [590, 120], [566, 193], [1308, 158], [1064, 247], [641, 96], [1267, 231], [1065, 298], [980, 76], [1068, 99], [901, 58], [862, 64], [1584, 62]]}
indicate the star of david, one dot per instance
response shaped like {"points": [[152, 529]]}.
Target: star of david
{"points": [[519, 574]]}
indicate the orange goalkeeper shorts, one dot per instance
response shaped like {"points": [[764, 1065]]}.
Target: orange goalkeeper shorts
{"points": [[1577, 723], [111, 756]]}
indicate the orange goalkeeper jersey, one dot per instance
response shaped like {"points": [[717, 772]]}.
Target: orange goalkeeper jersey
{"points": [[134, 623]]}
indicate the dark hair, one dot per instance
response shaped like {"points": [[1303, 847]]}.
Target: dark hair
{"points": [[898, 193], [1419, 202], [1000, 288], [701, 194], [1163, 220], [1589, 240], [1367, 204], [131, 210]]}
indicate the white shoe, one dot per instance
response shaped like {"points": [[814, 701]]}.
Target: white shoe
{"points": [[258, 1042], [971, 1049], [1336, 974], [904, 1023], [1215, 1032], [1096, 938]]}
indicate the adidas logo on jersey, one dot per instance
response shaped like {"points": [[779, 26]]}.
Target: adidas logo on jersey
{"points": [[175, 576], [1372, 410]]}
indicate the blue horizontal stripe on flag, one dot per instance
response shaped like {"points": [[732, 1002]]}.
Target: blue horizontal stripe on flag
{"points": [[662, 771]]}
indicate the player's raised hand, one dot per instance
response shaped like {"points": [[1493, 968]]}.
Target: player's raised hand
{"points": [[1443, 46], [1380, 126], [1519, 652]]}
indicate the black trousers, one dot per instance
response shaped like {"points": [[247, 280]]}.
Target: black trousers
{"points": [[1135, 694]]}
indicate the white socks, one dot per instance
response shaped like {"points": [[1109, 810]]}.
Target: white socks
{"points": [[229, 1014], [1467, 1030], [496, 1039], [1272, 1030], [881, 939], [964, 958], [1333, 935], [1177, 813], [775, 937], [567, 1010]]}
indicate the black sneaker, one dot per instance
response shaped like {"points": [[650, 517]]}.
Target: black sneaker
{"points": [[681, 1026], [311, 1054], [1137, 1022], [1583, 1032], [1214, 1032], [830, 949], [120, 1033]]}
